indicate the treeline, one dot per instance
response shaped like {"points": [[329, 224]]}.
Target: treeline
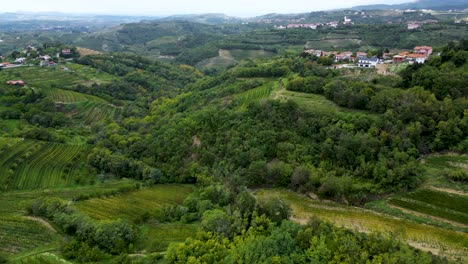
{"points": [[91, 241]]}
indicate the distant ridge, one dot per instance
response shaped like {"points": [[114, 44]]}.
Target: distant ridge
{"points": [[420, 4]]}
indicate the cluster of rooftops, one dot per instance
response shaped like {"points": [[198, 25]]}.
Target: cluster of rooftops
{"points": [[419, 55]]}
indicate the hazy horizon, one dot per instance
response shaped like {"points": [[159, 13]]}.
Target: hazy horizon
{"points": [[181, 7]]}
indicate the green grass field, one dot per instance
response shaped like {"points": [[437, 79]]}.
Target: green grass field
{"points": [[157, 237], [30, 164], [133, 205], [230, 57]]}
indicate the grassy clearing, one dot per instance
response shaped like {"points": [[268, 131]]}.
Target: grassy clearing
{"points": [[230, 57], [454, 243], [157, 237], [30, 164], [133, 205], [239, 55]]}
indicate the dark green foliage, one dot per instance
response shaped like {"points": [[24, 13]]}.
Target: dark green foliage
{"points": [[316, 242], [445, 76], [91, 239]]}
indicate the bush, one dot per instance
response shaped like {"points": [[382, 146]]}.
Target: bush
{"points": [[457, 175]]}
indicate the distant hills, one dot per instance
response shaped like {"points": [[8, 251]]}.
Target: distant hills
{"points": [[420, 4], [211, 18]]}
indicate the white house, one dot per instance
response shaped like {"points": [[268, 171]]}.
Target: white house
{"points": [[365, 62], [19, 61]]}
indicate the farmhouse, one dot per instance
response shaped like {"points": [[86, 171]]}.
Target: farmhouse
{"points": [[361, 54], [45, 57], [18, 82], [333, 24], [66, 51], [365, 62], [46, 63], [419, 58], [19, 61], [423, 50], [311, 26], [398, 58]]}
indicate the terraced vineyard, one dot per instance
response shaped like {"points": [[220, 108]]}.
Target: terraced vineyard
{"points": [[254, 95], [132, 205], [31, 164], [65, 96], [55, 77], [443, 205], [428, 238], [89, 112], [25, 239], [19, 234]]}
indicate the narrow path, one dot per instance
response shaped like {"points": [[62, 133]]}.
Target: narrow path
{"points": [[43, 222], [280, 90], [428, 216]]}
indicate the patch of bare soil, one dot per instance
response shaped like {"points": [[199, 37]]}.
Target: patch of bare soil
{"points": [[87, 52]]}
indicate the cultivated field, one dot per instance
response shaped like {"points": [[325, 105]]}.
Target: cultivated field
{"points": [[437, 240], [31, 164], [25, 238], [133, 205], [230, 57], [254, 95]]}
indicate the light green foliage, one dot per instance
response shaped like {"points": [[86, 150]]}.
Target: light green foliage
{"points": [[133, 205]]}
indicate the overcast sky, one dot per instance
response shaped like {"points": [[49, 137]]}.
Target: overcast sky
{"points": [[170, 7]]}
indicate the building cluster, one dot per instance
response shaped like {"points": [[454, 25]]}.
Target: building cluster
{"points": [[420, 54], [417, 24], [334, 24], [30, 52]]}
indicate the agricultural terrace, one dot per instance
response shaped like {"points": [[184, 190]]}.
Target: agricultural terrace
{"points": [[90, 112], [24, 237], [133, 205], [18, 234], [30, 164], [442, 205], [437, 240], [255, 94], [56, 77]]}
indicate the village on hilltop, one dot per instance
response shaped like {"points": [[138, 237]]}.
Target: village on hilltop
{"points": [[419, 54]]}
